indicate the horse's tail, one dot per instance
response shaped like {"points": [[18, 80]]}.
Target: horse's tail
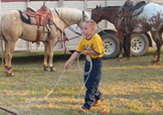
{"points": [[1, 40], [0, 29], [161, 34]]}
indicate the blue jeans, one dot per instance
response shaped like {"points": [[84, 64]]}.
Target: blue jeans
{"points": [[92, 92]]}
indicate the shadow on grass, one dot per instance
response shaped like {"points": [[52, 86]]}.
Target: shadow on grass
{"points": [[63, 111], [37, 57], [34, 58], [158, 96]]}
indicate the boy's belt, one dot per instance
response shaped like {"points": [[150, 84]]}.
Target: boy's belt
{"points": [[96, 58]]}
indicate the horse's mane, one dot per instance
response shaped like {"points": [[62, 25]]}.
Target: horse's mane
{"points": [[70, 13], [107, 7]]}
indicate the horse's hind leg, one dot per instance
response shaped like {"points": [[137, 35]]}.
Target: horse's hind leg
{"points": [[157, 38], [9, 48], [160, 45], [6, 56], [154, 56]]}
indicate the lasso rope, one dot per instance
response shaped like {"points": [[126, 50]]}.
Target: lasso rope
{"points": [[85, 73], [9, 111]]}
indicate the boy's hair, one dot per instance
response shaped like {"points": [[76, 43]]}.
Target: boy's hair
{"points": [[92, 23]]}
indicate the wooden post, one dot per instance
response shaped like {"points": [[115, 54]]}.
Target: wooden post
{"points": [[28, 43], [61, 3], [0, 7], [28, 3], [85, 5]]}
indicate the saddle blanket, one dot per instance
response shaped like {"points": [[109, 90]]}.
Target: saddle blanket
{"points": [[33, 20]]}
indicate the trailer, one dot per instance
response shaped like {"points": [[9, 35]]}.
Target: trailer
{"points": [[106, 30]]}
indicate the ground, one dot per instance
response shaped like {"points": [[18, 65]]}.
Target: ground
{"points": [[130, 87]]}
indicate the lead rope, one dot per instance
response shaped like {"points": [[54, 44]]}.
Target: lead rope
{"points": [[9, 111]]}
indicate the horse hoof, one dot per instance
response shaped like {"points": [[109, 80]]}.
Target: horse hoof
{"points": [[10, 74], [6, 69], [52, 69], [128, 59], [153, 61], [157, 62], [46, 69], [119, 60]]}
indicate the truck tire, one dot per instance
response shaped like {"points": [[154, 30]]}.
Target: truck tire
{"points": [[139, 45], [111, 45]]}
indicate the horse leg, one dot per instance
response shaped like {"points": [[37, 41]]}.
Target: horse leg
{"points": [[121, 40], [128, 36], [12, 47], [52, 43], [158, 51], [160, 45], [157, 38], [46, 54], [154, 56], [6, 56], [9, 48]]}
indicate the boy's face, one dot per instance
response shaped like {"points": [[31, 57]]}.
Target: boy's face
{"points": [[87, 29]]}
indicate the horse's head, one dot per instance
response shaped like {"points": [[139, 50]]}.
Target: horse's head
{"points": [[96, 14], [86, 16]]}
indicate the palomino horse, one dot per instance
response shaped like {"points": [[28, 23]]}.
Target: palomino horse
{"points": [[12, 28], [149, 19]]}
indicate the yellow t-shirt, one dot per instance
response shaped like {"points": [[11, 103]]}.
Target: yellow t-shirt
{"points": [[95, 43]]}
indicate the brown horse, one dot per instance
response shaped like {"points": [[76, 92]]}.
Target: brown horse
{"points": [[149, 19], [13, 28]]}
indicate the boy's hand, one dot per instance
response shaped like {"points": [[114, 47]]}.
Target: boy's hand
{"points": [[66, 66], [85, 52], [70, 60], [89, 52]]}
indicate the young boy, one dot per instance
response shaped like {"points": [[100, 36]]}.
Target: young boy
{"points": [[91, 44]]}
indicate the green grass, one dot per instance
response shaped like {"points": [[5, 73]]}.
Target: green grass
{"points": [[130, 87]]}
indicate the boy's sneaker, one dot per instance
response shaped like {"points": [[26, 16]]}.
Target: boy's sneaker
{"points": [[97, 102], [83, 109]]}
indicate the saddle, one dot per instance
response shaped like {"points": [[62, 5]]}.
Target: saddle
{"points": [[130, 11], [138, 8], [42, 17]]}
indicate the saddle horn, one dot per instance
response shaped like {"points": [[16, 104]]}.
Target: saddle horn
{"points": [[43, 7]]}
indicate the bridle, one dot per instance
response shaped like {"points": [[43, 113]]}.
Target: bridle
{"points": [[64, 38]]}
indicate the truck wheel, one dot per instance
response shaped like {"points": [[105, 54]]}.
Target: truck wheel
{"points": [[111, 45], [139, 45]]}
